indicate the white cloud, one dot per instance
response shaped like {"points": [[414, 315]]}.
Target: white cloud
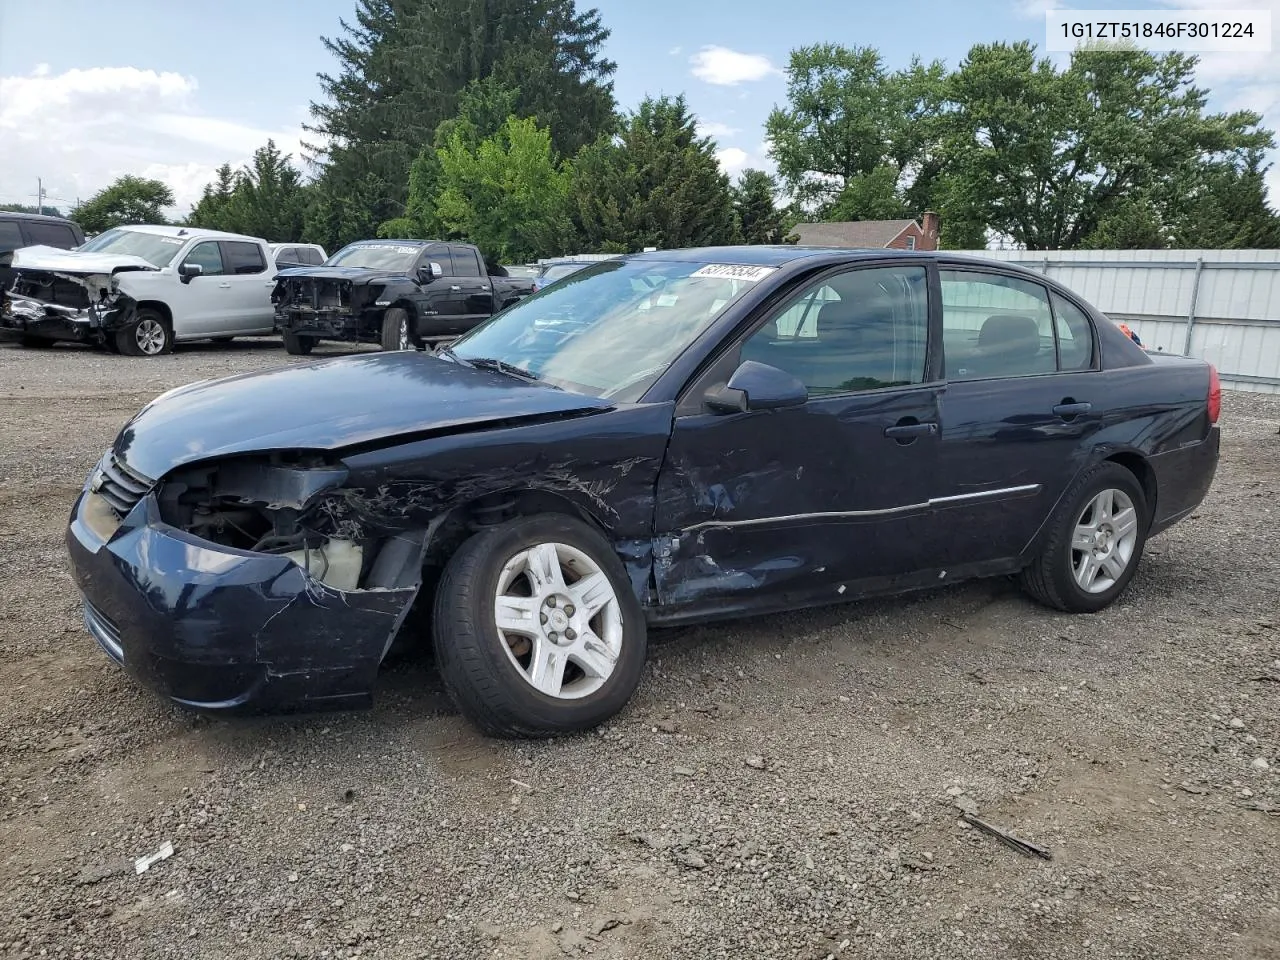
{"points": [[715, 129], [80, 129], [728, 68], [733, 160], [675, 51]]}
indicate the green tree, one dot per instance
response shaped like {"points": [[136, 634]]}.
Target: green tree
{"points": [[657, 184], [402, 67], [855, 134], [269, 200], [128, 200], [506, 194], [755, 210], [211, 211], [1112, 145]]}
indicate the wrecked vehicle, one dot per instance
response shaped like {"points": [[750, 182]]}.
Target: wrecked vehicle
{"points": [[18, 230], [137, 290], [663, 438], [397, 293]]}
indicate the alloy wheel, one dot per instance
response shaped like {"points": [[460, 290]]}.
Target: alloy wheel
{"points": [[559, 619], [1103, 542], [150, 336]]}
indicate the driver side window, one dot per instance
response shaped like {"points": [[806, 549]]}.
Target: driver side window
{"points": [[859, 330], [208, 256]]}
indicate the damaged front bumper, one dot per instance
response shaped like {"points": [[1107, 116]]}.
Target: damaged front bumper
{"points": [[330, 323], [27, 317], [218, 629]]}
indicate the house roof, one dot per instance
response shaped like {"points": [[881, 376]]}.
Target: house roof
{"points": [[851, 233]]}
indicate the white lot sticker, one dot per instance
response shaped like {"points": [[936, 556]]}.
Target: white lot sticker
{"points": [[396, 247], [733, 271], [176, 241]]}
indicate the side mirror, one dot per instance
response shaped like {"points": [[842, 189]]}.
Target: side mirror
{"points": [[433, 272], [189, 271], [757, 386]]}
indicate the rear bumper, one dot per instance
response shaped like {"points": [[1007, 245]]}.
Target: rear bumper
{"points": [[1183, 478], [220, 630]]}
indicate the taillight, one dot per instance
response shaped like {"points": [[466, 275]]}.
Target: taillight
{"points": [[1215, 394]]}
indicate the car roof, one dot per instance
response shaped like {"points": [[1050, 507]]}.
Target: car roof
{"points": [[781, 255], [396, 241], [18, 215], [185, 233]]}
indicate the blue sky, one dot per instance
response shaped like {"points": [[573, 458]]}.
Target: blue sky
{"points": [[90, 89]]}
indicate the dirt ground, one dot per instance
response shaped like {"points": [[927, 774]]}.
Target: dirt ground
{"points": [[783, 787]]}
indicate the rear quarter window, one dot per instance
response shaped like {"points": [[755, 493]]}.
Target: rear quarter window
{"points": [[244, 257], [10, 236], [51, 234]]}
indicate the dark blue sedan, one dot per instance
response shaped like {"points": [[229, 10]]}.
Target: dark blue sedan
{"points": [[663, 438]]}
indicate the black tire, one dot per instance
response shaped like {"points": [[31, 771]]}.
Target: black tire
{"points": [[36, 343], [481, 678], [1050, 578], [298, 346], [148, 321], [396, 334], [110, 345]]}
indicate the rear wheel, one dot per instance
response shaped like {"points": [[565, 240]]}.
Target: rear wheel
{"points": [[536, 629], [1094, 543], [395, 329], [298, 346], [149, 335]]}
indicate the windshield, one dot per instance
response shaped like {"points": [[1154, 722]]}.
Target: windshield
{"points": [[611, 329], [376, 256], [157, 249]]}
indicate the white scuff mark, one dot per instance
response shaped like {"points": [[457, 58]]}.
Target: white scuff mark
{"points": [[143, 864]]}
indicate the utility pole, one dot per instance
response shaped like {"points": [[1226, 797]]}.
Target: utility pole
{"points": [[39, 195]]}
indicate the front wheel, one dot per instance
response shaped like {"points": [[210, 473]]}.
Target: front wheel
{"points": [[297, 346], [149, 335], [395, 329], [536, 629], [1094, 542]]}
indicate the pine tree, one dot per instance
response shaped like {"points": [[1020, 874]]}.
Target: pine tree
{"points": [[402, 67], [660, 185], [758, 219]]}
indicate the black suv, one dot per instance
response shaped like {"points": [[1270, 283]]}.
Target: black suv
{"points": [[30, 230]]}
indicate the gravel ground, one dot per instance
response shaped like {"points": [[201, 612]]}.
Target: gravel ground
{"points": [[780, 788]]}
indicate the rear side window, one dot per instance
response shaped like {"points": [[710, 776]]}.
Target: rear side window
{"points": [[209, 258], [312, 256], [51, 234], [1075, 335], [287, 255], [10, 236], [464, 262], [995, 326], [244, 257]]}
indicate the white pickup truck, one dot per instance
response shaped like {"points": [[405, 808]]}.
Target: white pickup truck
{"points": [[137, 290]]}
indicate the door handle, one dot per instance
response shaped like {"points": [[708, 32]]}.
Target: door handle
{"points": [[455, 287], [226, 285], [1068, 409], [907, 432]]}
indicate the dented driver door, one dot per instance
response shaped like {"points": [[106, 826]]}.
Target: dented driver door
{"points": [[761, 507]]}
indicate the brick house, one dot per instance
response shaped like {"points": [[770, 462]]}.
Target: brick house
{"points": [[872, 234]]}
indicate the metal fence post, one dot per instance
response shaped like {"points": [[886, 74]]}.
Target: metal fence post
{"points": [[1191, 313]]}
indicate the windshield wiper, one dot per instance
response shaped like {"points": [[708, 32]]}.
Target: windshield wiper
{"points": [[502, 366]]}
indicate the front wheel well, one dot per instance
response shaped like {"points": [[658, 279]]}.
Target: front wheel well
{"points": [[1137, 464], [160, 307]]}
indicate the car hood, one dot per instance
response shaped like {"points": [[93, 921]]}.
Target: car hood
{"points": [[332, 404], [351, 274], [56, 260]]}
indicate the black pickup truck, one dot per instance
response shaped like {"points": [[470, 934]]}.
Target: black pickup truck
{"points": [[397, 293]]}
